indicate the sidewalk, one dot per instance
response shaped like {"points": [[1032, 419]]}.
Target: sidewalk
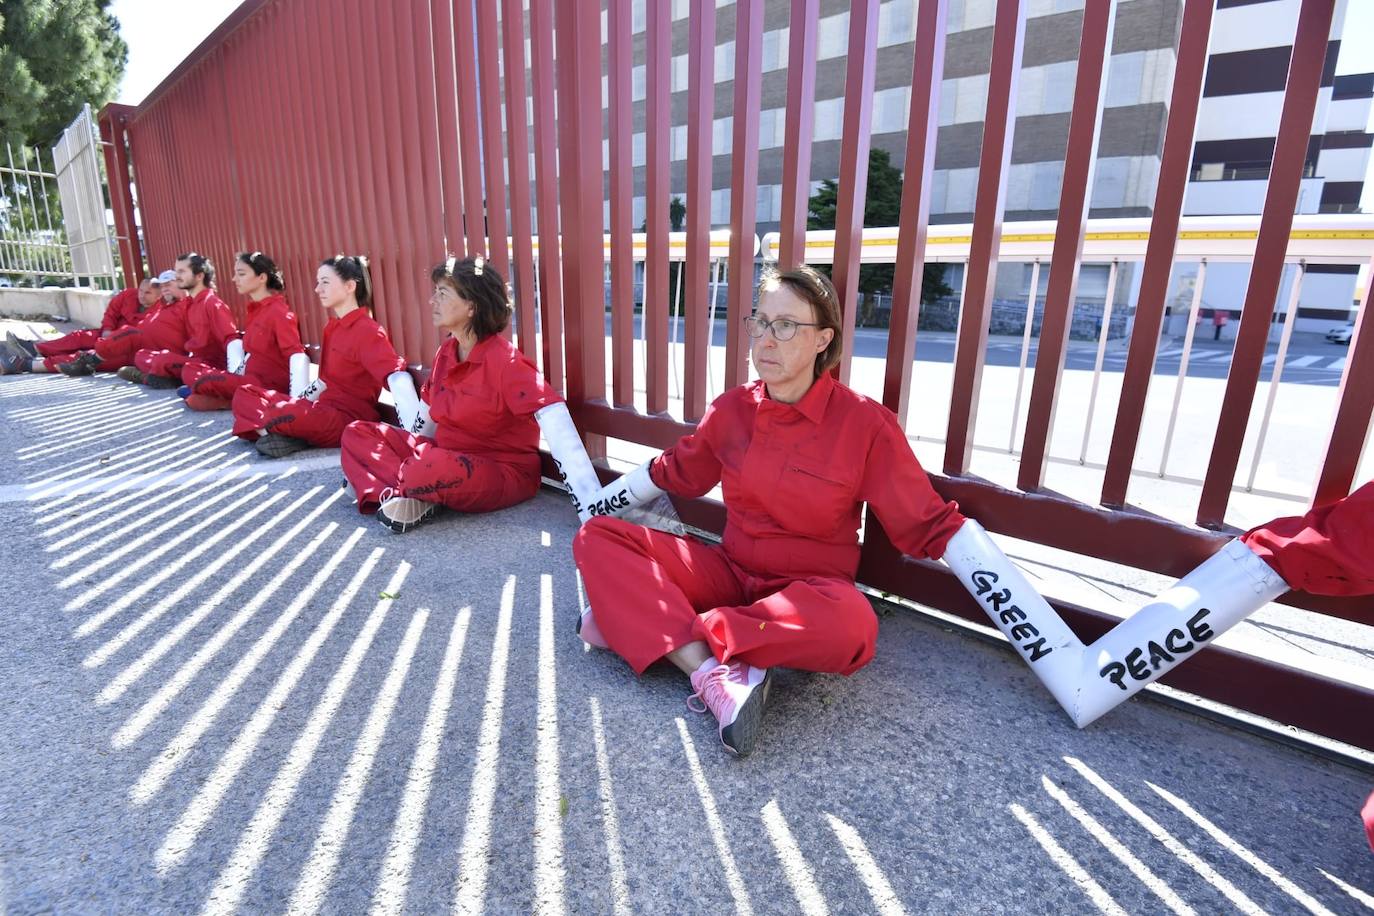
{"points": [[228, 690]]}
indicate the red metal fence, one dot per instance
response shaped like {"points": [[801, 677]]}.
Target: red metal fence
{"points": [[307, 127]]}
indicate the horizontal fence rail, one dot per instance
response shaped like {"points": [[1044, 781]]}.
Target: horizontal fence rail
{"points": [[477, 128]]}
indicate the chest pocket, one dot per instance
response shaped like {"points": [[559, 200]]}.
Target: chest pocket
{"points": [[814, 500], [474, 406]]}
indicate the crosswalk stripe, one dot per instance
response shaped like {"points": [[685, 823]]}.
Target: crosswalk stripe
{"points": [[1303, 361], [1338, 365]]}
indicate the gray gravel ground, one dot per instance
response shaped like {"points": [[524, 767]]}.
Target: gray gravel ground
{"points": [[208, 709]]}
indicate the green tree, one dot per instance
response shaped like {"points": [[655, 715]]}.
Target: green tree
{"points": [[883, 207], [55, 55]]}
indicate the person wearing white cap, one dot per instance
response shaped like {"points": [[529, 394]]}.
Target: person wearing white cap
{"points": [[126, 308]]}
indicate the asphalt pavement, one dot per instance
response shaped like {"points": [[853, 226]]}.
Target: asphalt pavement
{"points": [[226, 690]]}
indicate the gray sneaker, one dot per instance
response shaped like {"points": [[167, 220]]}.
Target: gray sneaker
{"points": [[20, 343], [401, 513], [131, 374], [273, 445]]}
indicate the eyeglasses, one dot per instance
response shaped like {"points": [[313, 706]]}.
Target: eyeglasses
{"points": [[783, 328]]}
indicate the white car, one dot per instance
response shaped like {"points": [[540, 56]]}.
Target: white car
{"points": [[1340, 335]]}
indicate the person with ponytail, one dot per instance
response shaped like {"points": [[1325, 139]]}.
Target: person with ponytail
{"points": [[356, 361], [271, 341], [471, 443]]}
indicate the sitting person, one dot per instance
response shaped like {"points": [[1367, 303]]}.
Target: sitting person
{"points": [[356, 361], [209, 329], [162, 328], [271, 341], [125, 308], [797, 454], [476, 446]]}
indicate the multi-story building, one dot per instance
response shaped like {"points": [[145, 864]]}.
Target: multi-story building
{"points": [[1235, 136]]}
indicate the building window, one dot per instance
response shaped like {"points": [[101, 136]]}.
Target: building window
{"points": [[639, 16], [720, 206], [769, 203], [772, 128], [963, 100], [890, 109], [721, 135], [832, 36], [637, 213], [829, 120], [679, 135], [725, 61], [775, 49], [680, 73], [638, 83], [637, 149], [1124, 79], [896, 23]]}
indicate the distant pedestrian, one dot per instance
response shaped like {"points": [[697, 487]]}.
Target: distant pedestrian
{"points": [[1219, 319]]}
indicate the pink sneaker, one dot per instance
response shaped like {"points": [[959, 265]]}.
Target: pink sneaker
{"points": [[736, 695], [590, 632]]}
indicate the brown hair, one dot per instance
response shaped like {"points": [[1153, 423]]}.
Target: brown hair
{"points": [[814, 287], [477, 281]]}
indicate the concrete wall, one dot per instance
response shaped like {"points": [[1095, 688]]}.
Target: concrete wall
{"points": [[82, 306]]}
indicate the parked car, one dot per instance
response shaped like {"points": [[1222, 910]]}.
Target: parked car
{"points": [[1340, 335], [6, 281]]}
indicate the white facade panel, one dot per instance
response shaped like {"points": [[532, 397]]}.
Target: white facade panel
{"points": [[1238, 198], [1245, 28], [1233, 117], [1348, 114], [1343, 164]]}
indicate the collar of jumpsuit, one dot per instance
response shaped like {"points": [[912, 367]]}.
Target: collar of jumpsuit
{"points": [[812, 404]]}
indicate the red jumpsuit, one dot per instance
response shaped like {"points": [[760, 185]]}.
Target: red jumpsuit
{"points": [[780, 589], [1328, 551], [270, 336], [355, 360], [484, 454], [209, 328], [161, 327], [123, 310]]}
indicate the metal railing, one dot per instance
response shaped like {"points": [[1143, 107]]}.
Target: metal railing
{"points": [[390, 150]]}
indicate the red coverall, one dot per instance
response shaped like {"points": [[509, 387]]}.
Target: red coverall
{"points": [[161, 327], [484, 454], [780, 588], [209, 328], [270, 336], [1328, 551], [355, 361], [121, 311]]}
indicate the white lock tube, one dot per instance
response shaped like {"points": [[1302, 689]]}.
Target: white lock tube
{"points": [[423, 424], [301, 386], [626, 492], [402, 388], [565, 445], [236, 360]]}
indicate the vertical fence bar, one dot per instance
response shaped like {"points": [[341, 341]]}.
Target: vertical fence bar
{"points": [[427, 215], [1355, 407], [578, 35], [1276, 373], [1106, 324], [305, 245], [657, 142], [1025, 353], [853, 185], [993, 162], [701, 91], [701, 95], [923, 125], [1174, 168], [744, 182], [469, 121], [493, 153], [517, 142], [801, 118], [620, 58], [542, 79], [113, 120], [1183, 364], [446, 96], [1075, 198], [1281, 197]]}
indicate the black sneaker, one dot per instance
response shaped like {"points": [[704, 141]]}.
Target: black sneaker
{"points": [[20, 343], [273, 445], [401, 513], [160, 381], [131, 374], [82, 365]]}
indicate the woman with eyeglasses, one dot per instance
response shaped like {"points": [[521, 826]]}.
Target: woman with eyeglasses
{"points": [[357, 360], [475, 444], [270, 348], [797, 454]]}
